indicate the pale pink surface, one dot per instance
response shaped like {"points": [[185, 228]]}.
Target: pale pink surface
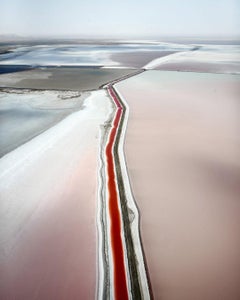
{"points": [[55, 257], [182, 151], [48, 210]]}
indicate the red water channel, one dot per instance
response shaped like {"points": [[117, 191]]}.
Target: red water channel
{"points": [[120, 282]]}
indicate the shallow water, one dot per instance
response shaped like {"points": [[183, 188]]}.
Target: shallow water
{"points": [[182, 152], [25, 114]]}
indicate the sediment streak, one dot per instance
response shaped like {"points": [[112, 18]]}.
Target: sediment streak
{"points": [[122, 271]]}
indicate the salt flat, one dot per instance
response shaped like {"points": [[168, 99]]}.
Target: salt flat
{"points": [[48, 192], [182, 155]]}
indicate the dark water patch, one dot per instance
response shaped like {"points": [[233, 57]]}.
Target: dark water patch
{"points": [[4, 69]]}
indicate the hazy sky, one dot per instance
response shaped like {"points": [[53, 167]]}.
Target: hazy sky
{"points": [[120, 18]]}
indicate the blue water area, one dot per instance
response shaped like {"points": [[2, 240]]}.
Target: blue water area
{"points": [[13, 68]]}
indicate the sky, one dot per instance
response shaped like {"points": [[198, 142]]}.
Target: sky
{"points": [[111, 18]]}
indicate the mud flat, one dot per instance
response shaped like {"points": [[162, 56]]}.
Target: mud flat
{"points": [[182, 152], [48, 190], [63, 78], [138, 59]]}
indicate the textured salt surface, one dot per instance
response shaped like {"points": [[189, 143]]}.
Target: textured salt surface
{"points": [[182, 151], [80, 55]]}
